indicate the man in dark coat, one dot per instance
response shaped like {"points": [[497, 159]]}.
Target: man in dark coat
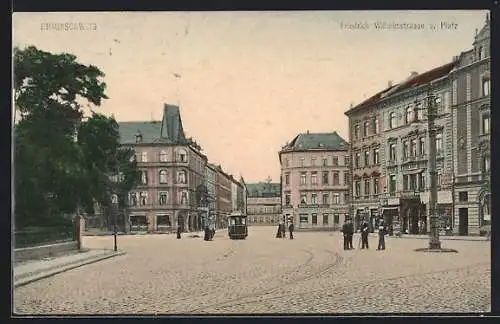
{"points": [[364, 235], [350, 229], [345, 231], [291, 228], [278, 234], [381, 236], [178, 231]]}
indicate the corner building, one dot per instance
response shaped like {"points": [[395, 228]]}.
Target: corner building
{"points": [[315, 181]]}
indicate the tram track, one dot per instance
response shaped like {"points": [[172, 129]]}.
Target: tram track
{"points": [[289, 282]]}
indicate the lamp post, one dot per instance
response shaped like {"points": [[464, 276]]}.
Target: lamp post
{"points": [[114, 201]]}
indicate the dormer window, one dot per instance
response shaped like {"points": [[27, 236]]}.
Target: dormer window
{"points": [[138, 137]]}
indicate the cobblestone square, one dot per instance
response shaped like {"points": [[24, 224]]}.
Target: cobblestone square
{"points": [[263, 274]]}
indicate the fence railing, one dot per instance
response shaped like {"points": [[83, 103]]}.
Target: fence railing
{"points": [[34, 236]]}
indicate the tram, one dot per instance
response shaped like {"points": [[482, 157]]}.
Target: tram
{"points": [[237, 226]]}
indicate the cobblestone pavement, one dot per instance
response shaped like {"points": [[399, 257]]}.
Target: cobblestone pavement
{"points": [[262, 274]]}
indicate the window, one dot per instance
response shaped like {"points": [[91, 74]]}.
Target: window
{"points": [[486, 87], [422, 146], [413, 182], [347, 160], [144, 177], [405, 182], [392, 152], [313, 199], [287, 163], [357, 188], [413, 147], [418, 112], [439, 143], [392, 183], [486, 123], [439, 178], [356, 131], [313, 161], [163, 176], [163, 221], [367, 187], [356, 160], [301, 162], [335, 160], [336, 219], [409, 115], [346, 178], [486, 163], [463, 196], [366, 127], [181, 177], [325, 199], [303, 220], [375, 126], [367, 158], [336, 198], [376, 157], [144, 157], [132, 199], [303, 178], [376, 185], [314, 178], [421, 184], [336, 178], [287, 178], [163, 156], [405, 150], [163, 198], [143, 198], [287, 200], [438, 102], [346, 197], [314, 219], [184, 197], [325, 177], [303, 198], [392, 120], [182, 156], [325, 161], [325, 219]]}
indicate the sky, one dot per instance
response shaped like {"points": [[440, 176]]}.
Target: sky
{"points": [[250, 81]]}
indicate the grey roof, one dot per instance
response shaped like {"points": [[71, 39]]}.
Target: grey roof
{"points": [[263, 189], [323, 141], [169, 130]]}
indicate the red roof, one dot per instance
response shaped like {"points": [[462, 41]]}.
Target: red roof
{"points": [[419, 79]]}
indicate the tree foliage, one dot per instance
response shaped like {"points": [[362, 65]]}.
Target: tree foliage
{"points": [[55, 171]]}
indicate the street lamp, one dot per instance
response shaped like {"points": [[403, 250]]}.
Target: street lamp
{"points": [[114, 201]]}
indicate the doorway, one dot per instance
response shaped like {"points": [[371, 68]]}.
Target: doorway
{"points": [[463, 221]]}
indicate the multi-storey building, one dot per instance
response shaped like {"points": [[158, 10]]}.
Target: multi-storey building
{"points": [[405, 152], [365, 157], [171, 167], [471, 136], [211, 185], [223, 191], [264, 203], [314, 169]]}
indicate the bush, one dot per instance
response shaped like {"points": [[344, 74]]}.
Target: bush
{"points": [[34, 236]]}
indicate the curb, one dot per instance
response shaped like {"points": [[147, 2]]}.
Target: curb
{"points": [[45, 274], [445, 239]]}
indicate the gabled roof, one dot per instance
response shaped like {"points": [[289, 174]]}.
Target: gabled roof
{"points": [[171, 126], [321, 141], [370, 101], [150, 131], [263, 189]]}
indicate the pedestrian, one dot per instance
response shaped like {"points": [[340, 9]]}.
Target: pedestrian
{"points": [[207, 234], [350, 230], [365, 230], [283, 230], [345, 231], [291, 228], [278, 233], [178, 231], [381, 236]]}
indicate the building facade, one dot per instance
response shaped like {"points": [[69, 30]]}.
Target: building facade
{"points": [[365, 157], [471, 100], [315, 174], [171, 168], [405, 151], [223, 191], [264, 203], [211, 185]]}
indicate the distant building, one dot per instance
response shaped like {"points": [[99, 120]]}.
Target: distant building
{"points": [[171, 167], [315, 174], [471, 97], [264, 203]]}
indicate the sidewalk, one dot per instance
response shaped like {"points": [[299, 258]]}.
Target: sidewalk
{"points": [[30, 271], [445, 237]]}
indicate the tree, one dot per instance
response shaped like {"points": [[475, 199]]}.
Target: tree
{"points": [[55, 170]]}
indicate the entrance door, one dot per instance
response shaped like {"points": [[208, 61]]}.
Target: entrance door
{"points": [[463, 221]]}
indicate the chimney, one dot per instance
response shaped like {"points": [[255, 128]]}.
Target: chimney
{"points": [[413, 74], [307, 132], [389, 84]]}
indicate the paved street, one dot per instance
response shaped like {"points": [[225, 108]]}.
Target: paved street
{"points": [[311, 274]]}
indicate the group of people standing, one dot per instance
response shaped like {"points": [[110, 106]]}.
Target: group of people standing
{"points": [[282, 230], [348, 231]]}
